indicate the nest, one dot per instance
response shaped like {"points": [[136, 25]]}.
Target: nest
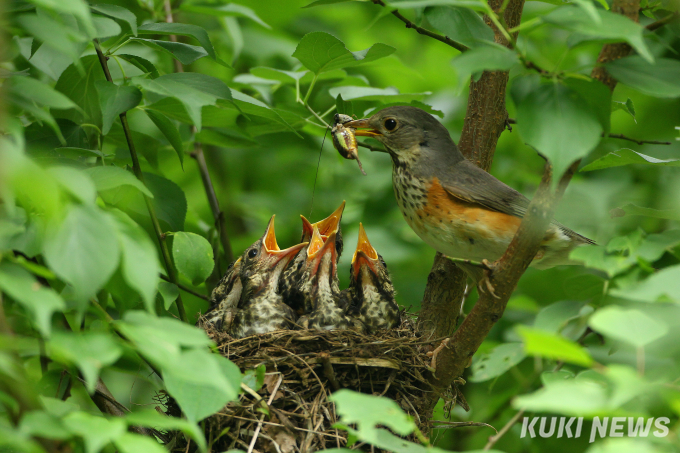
{"points": [[303, 367]]}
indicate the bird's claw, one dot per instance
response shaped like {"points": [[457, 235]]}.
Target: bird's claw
{"points": [[486, 279]]}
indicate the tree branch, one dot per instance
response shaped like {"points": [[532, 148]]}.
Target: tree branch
{"points": [[445, 39], [614, 51], [639, 142], [663, 21], [197, 154], [137, 169], [185, 289]]}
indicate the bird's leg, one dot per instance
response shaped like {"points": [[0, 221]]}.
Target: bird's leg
{"points": [[485, 281]]}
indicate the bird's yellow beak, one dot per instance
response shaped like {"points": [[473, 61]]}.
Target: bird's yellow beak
{"points": [[329, 225], [364, 253], [271, 247], [362, 124]]}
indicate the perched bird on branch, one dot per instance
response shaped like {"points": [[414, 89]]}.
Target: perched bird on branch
{"points": [[454, 206], [371, 288], [261, 308], [325, 305], [289, 283]]}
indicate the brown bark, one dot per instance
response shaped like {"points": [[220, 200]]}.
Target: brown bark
{"points": [[611, 52]]}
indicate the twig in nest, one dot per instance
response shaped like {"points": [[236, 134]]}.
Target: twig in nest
{"points": [[259, 424], [328, 370]]}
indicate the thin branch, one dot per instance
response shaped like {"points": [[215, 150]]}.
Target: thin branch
{"points": [[197, 154], [259, 424], [663, 21], [639, 142], [445, 39], [185, 289], [137, 169]]}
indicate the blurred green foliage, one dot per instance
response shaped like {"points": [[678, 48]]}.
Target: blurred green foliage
{"points": [[253, 82]]}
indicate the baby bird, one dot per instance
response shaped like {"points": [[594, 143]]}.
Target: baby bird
{"points": [[289, 284], [224, 299], [325, 306], [261, 308], [371, 288]]}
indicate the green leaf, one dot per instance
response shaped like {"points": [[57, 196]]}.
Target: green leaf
{"points": [[321, 52], [78, 8], [374, 94], [625, 156], [497, 361], [53, 63], [89, 351], [483, 58], [659, 79], [251, 106], [136, 443], [631, 326], [662, 285], [553, 346], [139, 259], [193, 90], [278, 74], [117, 12], [105, 28], [76, 182], [201, 382], [96, 431], [222, 10], [326, 2], [185, 53], [83, 250], [196, 32], [573, 397], [166, 126], [152, 419], [342, 106], [633, 209], [612, 27], [627, 107], [555, 316], [255, 378], [114, 100], [655, 245], [410, 4], [599, 258], [460, 24], [39, 92], [53, 34], [597, 95], [547, 116], [367, 411], [143, 64], [109, 177], [80, 88], [193, 256], [169, 293], [43, 424], [40, 301]]}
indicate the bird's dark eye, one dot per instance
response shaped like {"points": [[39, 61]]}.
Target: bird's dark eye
{"points": [[252, 253], [390, 124], [382, 261]]}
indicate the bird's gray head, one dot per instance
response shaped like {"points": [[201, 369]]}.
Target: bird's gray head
{"points": [[408, 133]]}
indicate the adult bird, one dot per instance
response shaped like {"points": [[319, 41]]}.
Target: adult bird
{"points": [[261, 309], [371, 288], [454, 206], [325, 305], [224, 299], [289, 284]]}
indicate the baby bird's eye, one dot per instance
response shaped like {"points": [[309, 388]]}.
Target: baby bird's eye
{"points": [[252, 253], [382, 261], [390, 124]]}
